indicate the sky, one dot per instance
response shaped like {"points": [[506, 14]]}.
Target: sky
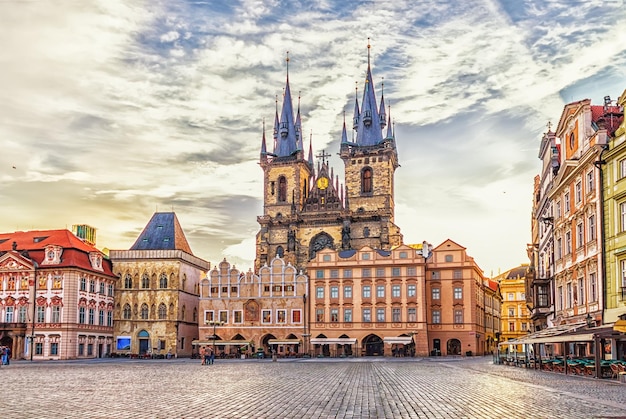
{"points": [[113, 110]]}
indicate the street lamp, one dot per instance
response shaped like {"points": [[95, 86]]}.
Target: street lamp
{"points": [[214, 324], [589, 320]]}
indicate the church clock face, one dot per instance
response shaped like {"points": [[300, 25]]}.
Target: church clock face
{"points": [[322, 183]]}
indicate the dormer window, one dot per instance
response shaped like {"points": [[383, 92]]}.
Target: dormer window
{"points": [[96, 260], [53, 255]]}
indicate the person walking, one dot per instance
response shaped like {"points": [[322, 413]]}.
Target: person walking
{"points": [[211, 356], [203, 356]]}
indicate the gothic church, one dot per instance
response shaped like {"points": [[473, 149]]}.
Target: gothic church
{"points": [[306, 209]]}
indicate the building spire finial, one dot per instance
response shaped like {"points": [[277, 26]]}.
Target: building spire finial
{"points": [[368, 51]]}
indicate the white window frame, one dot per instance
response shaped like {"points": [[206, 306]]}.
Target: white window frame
{"points": [[284, 313], [293, 316], [263, 312]]}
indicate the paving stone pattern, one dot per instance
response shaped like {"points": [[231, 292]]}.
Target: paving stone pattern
{"points": [[346, 388]]}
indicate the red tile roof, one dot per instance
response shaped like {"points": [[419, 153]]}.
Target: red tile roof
{"points": [[75, 251]]}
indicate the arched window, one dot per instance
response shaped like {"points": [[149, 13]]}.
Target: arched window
{"points": [[182, 313], [144, 311], [366, 180], [163, 281], [184, 282], [126, 314], [162, 311], [145, 281], [282, 189], [195, 315], [280, 251], [128, 281]]}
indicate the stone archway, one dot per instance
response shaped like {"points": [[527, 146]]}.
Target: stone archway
{"points": [[453, 347], [373, 345]]}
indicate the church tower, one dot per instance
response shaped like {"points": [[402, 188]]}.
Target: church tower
{"points": [[307, 210], [371, 160]]}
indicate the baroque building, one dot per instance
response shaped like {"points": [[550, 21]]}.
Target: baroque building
{"points": [[246, 313], [307, 210], [515, 315], [156, 304], [614, 197], [56, 296]]}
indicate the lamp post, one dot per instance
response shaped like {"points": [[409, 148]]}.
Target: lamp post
{"points": [[214, 324]]}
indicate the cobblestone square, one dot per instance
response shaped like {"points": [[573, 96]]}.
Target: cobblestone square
{"points": [[326, 388]]}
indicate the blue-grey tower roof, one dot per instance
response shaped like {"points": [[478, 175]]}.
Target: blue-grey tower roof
{"points": [[287, 138], [369, 127], [163, 232]]}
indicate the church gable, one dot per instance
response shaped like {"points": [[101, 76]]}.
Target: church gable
{"points": [[12, 261]]}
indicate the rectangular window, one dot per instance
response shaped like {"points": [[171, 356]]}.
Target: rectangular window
{"points": [[580, 235], [436, 317], [436, 293], [411, 271], [101, 317], [319, 274], [542, 296], [395, 291], [347, 291], [457, 274], [411, 290], [622, 216], [380, 314], [411, 314], [458, 316], [395, 271], [281, 316], [365, 256], [559, 248], [319, 292], [380, 291], [403, 255], [511, 312], [334, 273], [622, 168], [578, 192], [380, 272], [592, 227], [568, 242], [435, 275], [110, 293], [54, 348], [102, 287], [208, 316], [458, 293], [593, 287], [41, 314], [566, 202], [347, 273], [557, 207], [81, 349], [223, 316], [395, 315], [334, 315], [266, 316], [581, 291], [92, 286], [38, 348], [9, 314], [21, 314], [560, 296], [237, 316], [511, 327], [110, 318], [326, 258], [296, 316], [334, 291], [367, 315], [92, 316], [81, 315], [319, 314], [591, 183], [347, 315], [367, 273], [83, 284], [367, 291]]}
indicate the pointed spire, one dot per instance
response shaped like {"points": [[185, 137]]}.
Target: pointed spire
{"points": [[344, 133], [355, 119], [276, 127], [389, 130], [287, 141], [381, 111], [310, 159], [263, 143], [298, 127], [369, 130]]}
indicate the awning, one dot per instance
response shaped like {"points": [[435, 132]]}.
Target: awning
{"points": [[620, 326], [398, 339], [333, 341], [547, 335], [284, 341], [559, 335], [220, 343]]}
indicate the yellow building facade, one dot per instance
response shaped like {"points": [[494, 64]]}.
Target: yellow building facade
{"points": [[515, 316]]}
